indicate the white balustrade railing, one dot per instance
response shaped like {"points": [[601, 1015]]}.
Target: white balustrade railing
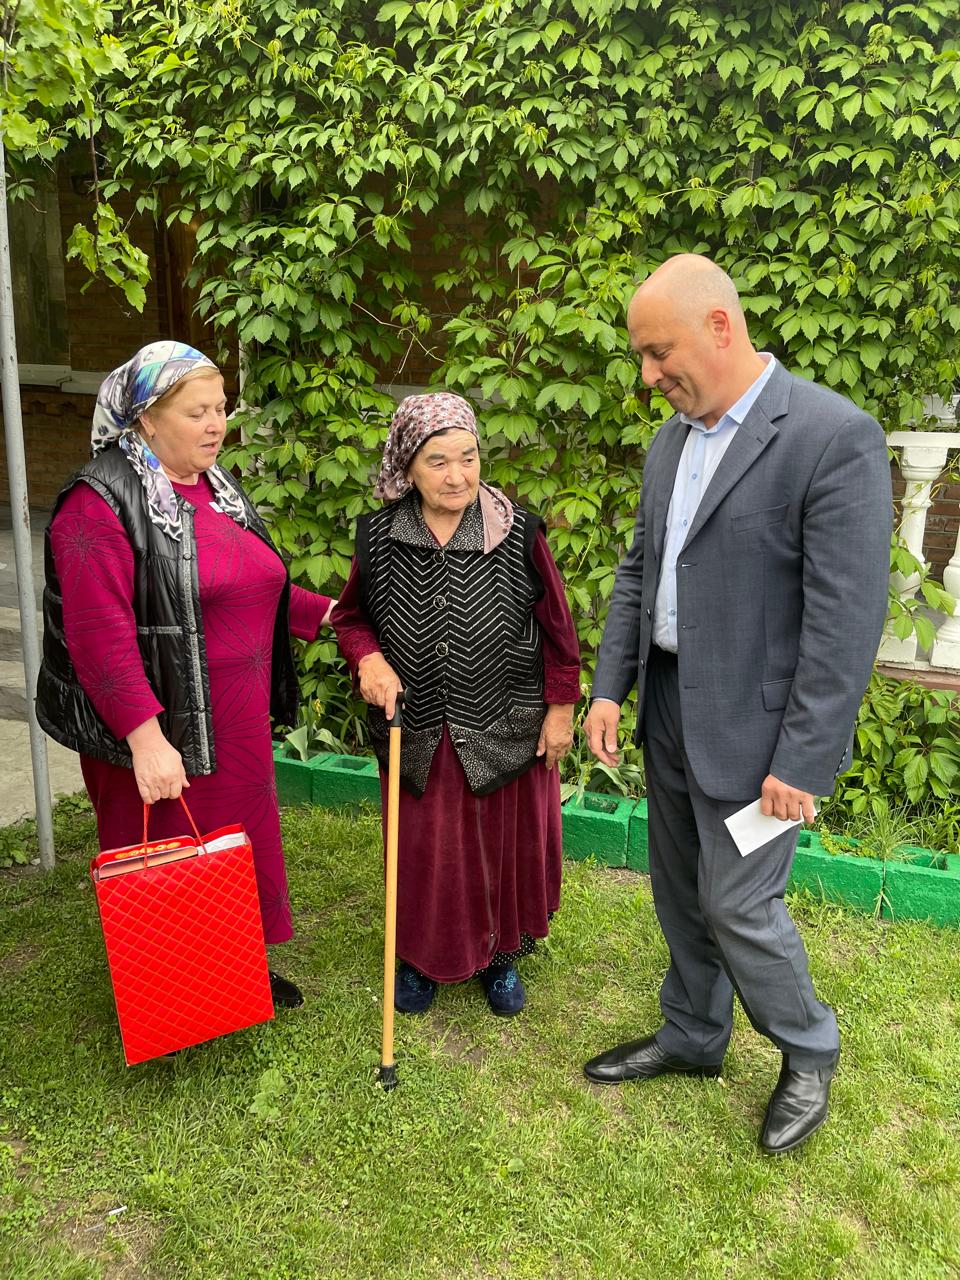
{"points": [[923, 459]]}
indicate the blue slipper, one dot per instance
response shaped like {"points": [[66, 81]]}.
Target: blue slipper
{"points": [[505, 992], [412, 992]]}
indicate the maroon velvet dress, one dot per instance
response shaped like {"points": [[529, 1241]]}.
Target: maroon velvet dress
{"points": [[478, 876], [240, 585]]}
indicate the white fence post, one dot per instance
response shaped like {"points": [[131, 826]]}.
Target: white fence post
{"points": [[923, 457]]}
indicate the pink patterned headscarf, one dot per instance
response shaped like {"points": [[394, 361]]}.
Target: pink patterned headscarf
{"points": [[417, 418]]}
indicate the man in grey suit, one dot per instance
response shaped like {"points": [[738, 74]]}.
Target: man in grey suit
{"points": [[747, 611]]}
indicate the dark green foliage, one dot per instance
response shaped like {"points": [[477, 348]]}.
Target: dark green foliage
{"points": [[483, 183], [906, 768], [556, 153]]}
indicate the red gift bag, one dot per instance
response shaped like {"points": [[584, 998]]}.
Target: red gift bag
{"points": [[181, 923]]}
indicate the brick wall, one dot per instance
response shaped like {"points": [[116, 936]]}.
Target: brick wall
{"points": [[104, 330], [56, 441], [942, 526], [940, 535]]}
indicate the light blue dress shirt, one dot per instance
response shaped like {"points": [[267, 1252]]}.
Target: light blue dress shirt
{"points": [[701, 455]]}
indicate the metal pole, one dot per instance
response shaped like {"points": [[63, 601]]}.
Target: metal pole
{"points": [[20, 511]]}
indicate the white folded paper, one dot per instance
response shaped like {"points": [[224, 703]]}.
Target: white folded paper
{"points": [[752, 830]]}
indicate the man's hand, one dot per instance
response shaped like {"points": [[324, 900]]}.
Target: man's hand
{"points": [[779, 800], [379, 683], [157, 766], [556, 736], [600, 728]]}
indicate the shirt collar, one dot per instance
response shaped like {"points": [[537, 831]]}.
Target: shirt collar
{"points": [[408, 525], [737, 412]]}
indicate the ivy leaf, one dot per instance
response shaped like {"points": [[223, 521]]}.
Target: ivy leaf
{"points": [[396, 11], [733, 60], [258, 329], [824, 114], [871, 353]]}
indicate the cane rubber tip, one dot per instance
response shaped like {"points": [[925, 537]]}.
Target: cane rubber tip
{"points": [[388, 1077]]}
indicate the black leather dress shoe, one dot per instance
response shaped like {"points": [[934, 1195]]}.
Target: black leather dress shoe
{"points": [[797, 1108], [641, 1060], [285, 994]]}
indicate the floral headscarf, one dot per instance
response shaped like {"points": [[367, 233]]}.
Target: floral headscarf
{"points": [[128, 392], [417, 418]]}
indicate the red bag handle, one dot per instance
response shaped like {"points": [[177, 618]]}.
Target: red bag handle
{"points": [[146, 821]]}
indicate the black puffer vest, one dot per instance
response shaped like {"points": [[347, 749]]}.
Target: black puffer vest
{"points": [[458, 628], [166, 604]]}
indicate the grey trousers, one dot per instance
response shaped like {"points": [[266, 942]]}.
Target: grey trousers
{"points": [[723, 915]]}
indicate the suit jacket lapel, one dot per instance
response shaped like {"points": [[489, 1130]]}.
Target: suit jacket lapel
{"points": [[670, 461], [752, 437]]}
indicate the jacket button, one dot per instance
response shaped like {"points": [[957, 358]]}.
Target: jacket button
{"points": [[440, 602], [649, 614], [438, 556], [442, 649], [642, 663]]}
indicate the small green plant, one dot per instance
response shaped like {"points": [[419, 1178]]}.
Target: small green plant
{"points": [[886, 835], [18, 844], [267, 1104], [580, 771], [903, 786], [906, 753], [907, 612], [311, 738]]}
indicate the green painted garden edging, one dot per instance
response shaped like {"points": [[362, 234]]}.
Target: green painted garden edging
{"points": [[346, 780], [295, 777], [837, 877], [925, 888], [599, 827], [920, 885]]}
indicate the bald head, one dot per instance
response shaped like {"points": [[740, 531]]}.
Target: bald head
{"points": [[694, 285], [686, 323]]}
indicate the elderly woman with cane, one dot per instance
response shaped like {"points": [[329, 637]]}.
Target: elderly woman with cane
{"points": [[167, 620], [454, 598]]}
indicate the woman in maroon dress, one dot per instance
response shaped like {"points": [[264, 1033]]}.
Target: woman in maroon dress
{"points": [[454, 598], [167, 622]]}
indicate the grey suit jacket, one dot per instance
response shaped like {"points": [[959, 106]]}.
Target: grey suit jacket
{"points": [[781, 591]]}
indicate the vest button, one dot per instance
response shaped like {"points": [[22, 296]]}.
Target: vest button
{"points": [[440, 602], [442, 649]]}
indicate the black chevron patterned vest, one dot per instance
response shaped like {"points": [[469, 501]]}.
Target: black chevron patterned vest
{"points": [[458, 628]]}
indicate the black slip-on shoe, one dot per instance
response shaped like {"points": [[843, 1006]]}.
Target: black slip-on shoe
{"points": [[797, 1108], [642, 1060]]}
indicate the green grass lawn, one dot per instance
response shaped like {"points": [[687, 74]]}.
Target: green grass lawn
{"points": [[274, 1153]]}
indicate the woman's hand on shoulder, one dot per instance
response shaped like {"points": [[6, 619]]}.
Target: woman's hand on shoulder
{"points": [[556, 736], [379, 683], [157, 765]]}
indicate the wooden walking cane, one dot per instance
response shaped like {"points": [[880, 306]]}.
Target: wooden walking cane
{"points": [[388, 1069]]}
